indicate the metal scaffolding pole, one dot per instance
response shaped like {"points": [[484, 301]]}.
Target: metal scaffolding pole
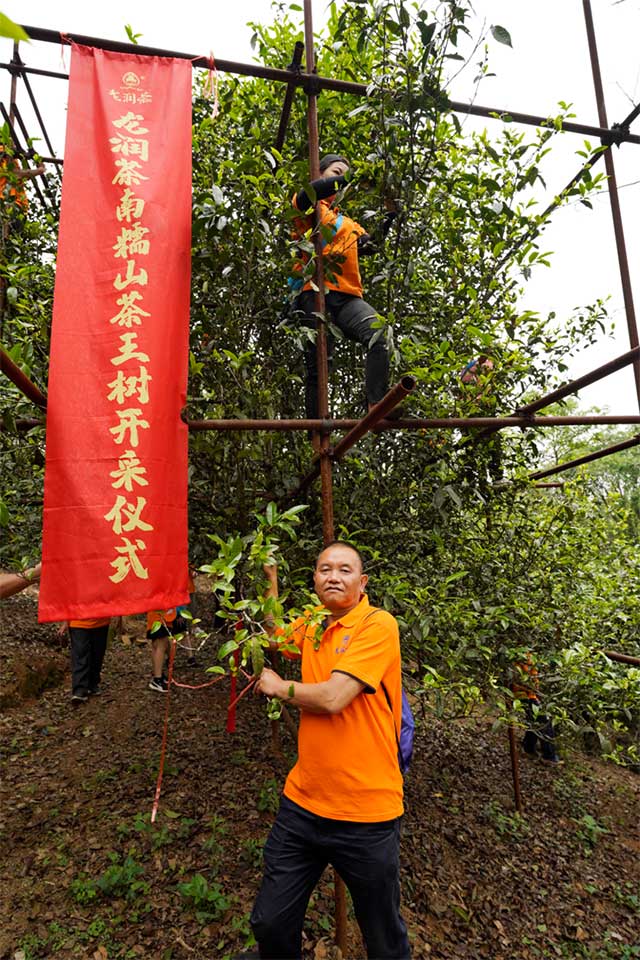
{"points": [[415, 424], [574, 386], [294, 68], [613, 196], [21, 380], [618, 134], [588, 458]]}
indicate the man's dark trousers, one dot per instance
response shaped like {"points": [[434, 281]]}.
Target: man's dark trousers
{"points": [[366, 855]]}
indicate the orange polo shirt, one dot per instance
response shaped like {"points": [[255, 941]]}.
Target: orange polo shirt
{"points": [[157, 616], [347, 765], [340, 250]]}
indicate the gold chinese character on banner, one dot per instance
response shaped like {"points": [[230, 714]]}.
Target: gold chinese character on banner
{"points": [[140, 278], [130, 513], [131, 386], [129, 421], [129, 350], [131, 241], [130, 314], [129, 561], [130, 147], [129, 207], [130, 471], [130, 123], [128, 173]]}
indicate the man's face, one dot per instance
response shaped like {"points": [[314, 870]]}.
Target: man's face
{"points": [[335, 169], [338, 579]]}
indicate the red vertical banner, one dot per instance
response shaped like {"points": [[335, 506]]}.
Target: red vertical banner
{"points": [[115, 502]]}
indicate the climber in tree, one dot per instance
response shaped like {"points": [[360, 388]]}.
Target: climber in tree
{"points": [[343, 242]]}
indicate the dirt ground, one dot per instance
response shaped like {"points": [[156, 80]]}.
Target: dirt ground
{"points": [[86, 875]]}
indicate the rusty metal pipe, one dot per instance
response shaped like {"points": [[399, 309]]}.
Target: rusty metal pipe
{"points": [[34, 105], [616, 213], [588, 458], [575, 385], [21, 380], [415, 423], [12, 68], [378, 412], [322, 361], [294, 68], [309, 79], [622, 658]]}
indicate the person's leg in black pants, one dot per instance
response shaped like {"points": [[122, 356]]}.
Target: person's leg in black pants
{"points": [[293, 864], [80, 638], [367, 857], [97, 651], [355, 317], [547, 737]]}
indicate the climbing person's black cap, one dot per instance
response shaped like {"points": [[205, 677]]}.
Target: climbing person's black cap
{"points": [[332, 158]]}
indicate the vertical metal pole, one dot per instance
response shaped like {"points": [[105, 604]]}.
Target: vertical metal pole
{"points": [[613, 195], [14, 84], [326, 478], [4, 230]]}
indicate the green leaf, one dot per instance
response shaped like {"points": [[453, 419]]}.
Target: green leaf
{"points": [[501, 35], [12, 30], [133, 37], [227, 648]]}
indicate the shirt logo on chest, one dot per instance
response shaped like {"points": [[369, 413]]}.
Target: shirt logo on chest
{"points": [[345, 643]]}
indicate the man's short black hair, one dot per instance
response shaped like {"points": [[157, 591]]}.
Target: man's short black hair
{"points": [[326, 162], [343, 543]]}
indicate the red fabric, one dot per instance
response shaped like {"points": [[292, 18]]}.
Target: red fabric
{"points": [[231, 712], [115, 505]]}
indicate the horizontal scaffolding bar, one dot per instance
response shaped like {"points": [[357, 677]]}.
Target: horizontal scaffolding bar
{"points": [[622, 658], [415, 423], [311, 81], [574, 386], [14, 68], [618, 134], [588, 458], [21, 380]]}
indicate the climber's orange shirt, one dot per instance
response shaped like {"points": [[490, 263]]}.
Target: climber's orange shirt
{"points": [[340, 247], [16, 191]]}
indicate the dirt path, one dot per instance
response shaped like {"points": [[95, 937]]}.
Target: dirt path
{"points": [[85, 874]]}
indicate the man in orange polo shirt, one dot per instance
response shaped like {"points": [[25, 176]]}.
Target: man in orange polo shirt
{"points": [[343, 242], [342, 801]]}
